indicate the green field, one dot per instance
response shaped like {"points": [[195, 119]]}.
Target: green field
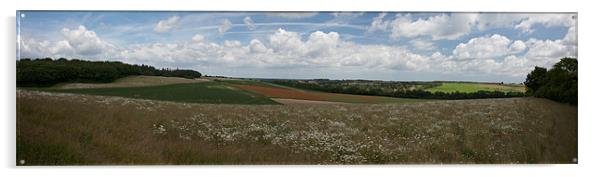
{"points": [[474, 87], [205, 92], [256, 83]]}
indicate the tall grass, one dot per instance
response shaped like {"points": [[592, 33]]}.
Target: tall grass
{"points": [[70, 129]]}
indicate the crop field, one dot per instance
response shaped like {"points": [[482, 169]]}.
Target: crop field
{"points": [[289, 93], [131, 81], [474, 87], [200, 92], [249, 82], [75, 129], [231, 91]]}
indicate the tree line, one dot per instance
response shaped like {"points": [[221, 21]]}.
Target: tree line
{"points": [[558, 83], [415, 91], [47, 72]]}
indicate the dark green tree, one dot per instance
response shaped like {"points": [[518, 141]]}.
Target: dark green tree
{"points": [[558, 83], [535, 79]]}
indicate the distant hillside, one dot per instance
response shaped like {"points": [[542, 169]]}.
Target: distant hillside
{"points": [[47, 72]]}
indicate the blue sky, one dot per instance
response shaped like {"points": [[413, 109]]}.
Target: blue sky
{"points": [[347, 45]]}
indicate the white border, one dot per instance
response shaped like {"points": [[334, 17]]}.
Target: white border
{"points": [[589, 59]]}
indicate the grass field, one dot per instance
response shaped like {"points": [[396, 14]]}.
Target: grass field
{"points": [[474, 87], [201, 92], [74, 129]]}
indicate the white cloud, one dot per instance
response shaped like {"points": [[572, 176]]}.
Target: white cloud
{"points": [[286, 42], [79, 42], [83, 41], [166, 25], [424, 45], [455, 25], [437, 27], [378, 23], [546, 52], [570, 40], [515, 66], [517, 46], [571, 36], [197, 38], [284, 49], [487, 47], [288, 49], [226, 25], [159, 54], [497, 55], [293, 15], [524, 22], [547, 20], [32, 48], [231, 43], [249, 22], [255, 46], [320, 43], [498, 20]]}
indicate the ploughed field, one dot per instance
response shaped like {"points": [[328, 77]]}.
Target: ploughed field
{"points": [[77, 128]]}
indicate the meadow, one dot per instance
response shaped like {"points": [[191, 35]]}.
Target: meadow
{"points": [[166, 120], [75, 129]]}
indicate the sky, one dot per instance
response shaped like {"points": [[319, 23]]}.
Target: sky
{"points": [[488, 47]]}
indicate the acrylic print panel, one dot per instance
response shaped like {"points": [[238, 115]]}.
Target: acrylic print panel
{"points": [[200, 87]]}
